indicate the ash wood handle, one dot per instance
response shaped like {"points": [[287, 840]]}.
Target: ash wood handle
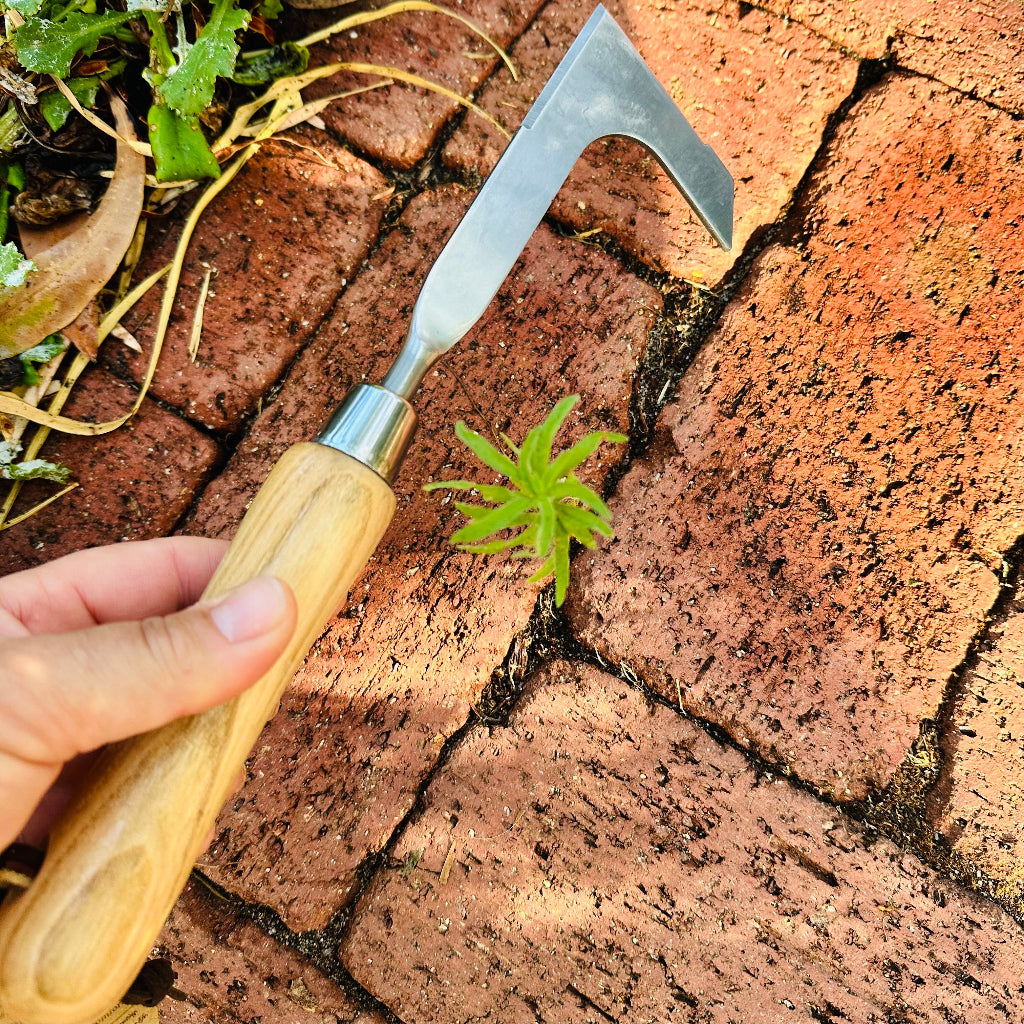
{"points": [[72, 943]]}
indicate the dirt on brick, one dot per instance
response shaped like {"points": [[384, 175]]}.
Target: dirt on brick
{"points": [[976, 805], [975, 49], [229, 972]]}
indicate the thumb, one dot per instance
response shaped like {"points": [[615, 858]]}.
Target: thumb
{"points": [[93, 686]]}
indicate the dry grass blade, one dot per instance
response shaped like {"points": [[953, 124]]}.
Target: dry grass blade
{"points": [[284, 90], [142, 148], [48, 418], [110, 321], [402, 7], [289, 88], [78, 365], [6, 524], [310, 110], [283, 87], [421, 83], [197, 317]]}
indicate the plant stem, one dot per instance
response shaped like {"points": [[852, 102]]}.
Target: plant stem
{"points": [[12, 131], [161, 54]]}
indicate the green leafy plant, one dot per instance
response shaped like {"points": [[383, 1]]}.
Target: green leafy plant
{"points": [[14, 268], [39, 354], [544, 507], [189, 47], [33, 469]]}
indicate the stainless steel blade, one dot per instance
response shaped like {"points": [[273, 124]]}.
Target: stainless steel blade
{"points": [[601, 87]]}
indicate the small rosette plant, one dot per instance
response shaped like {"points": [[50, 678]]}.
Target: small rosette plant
{"points": [[544, 506]]}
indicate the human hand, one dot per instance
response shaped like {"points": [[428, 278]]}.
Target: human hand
{"points": [[93, 649]]}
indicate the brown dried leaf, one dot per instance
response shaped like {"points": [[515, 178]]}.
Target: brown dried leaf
{"points": [[83, 331], [72, 271], [36, 239]]}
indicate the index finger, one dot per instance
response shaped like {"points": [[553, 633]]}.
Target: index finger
{"points": [[130, 580]]}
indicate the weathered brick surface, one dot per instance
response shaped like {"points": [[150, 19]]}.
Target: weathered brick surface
{"points": [[602, 859], [134, 483], [399, 124], [280, 242], [973, 47], [756, 89], [978, 804], [232, 973], [396, 673], [803, 558]]}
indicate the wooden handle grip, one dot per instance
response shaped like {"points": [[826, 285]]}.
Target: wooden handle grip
{"points": [[72, 943]]}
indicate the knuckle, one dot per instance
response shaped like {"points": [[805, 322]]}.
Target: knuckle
{"points": [[169, 647]]}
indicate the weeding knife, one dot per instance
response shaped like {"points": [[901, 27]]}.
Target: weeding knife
{"points": [[71, 944]]}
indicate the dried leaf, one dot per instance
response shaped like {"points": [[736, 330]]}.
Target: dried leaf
{"points": [[37, 239], [71, 272], [82, 332], [126, 338]]}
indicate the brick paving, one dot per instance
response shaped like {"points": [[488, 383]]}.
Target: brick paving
{"points": [[649, 873], [824, 508], [766, 763], [230, 972]]}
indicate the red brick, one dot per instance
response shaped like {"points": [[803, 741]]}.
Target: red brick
{"points": [[397, 673], [281, 241], [981, 800], [808, 552], [603, 859], [232, 973], [399, 124], [135, 482], [975, 48], [756, 89]]}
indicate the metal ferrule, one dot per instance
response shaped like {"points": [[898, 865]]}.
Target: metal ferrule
{"points": [[373, 425]]}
